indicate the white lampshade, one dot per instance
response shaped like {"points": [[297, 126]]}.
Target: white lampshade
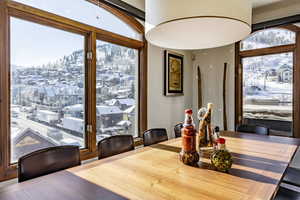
{"points": [[197, 24]]}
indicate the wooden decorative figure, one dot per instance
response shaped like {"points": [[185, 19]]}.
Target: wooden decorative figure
{"points": [[205, 137]]}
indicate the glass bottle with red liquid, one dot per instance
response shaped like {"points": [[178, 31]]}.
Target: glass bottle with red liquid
{"points": [[189, 154]]}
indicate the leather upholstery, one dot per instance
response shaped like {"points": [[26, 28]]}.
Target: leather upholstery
{"points": [[177, 130], [287, 194], [153, 136], [248, 128], [115, 145], [292, 176], [46, 161]]}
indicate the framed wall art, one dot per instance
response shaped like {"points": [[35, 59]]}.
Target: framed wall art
{"points": [[173, 74]]}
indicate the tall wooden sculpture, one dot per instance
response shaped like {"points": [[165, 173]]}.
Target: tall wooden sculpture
{"points": [[224, 97], [199, 88]]}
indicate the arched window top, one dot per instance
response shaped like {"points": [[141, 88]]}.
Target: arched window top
{"points": [[268, 38], [87, 13]]}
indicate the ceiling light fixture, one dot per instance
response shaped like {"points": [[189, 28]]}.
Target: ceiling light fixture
{"points": [[197, 24]]}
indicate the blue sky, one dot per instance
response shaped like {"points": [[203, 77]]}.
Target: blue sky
{"points": [[34, 44]]}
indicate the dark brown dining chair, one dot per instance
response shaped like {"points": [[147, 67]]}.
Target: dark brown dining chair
{"points": [[287, 194], [46, 161], [114, 145], [249, 128], [154, 136], [177, 130], [292, 174]]}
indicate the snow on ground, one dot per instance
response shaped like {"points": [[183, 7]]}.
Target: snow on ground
{"points": [[265, 97], [21, 123]]}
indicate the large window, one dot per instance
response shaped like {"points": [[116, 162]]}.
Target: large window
{"points": [[72, 73], [117, 90], [267, 80], [47, 87]]}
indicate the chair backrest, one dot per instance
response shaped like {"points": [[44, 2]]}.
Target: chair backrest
{"points": [[153, 136], [177, 130], [114, 145], [46, 161], [249, 128]]}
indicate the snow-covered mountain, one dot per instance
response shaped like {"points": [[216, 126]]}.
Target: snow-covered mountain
{"points": [[106, 53]]}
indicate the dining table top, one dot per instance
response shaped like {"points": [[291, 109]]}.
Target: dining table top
{"points": [[155, 172]]}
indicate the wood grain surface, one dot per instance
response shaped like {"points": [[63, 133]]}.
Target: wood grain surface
{"points": [[155, 172]]}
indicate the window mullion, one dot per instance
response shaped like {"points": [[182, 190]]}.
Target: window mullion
{"points": [[91, 91]]}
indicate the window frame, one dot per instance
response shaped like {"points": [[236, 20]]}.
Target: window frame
{"points": [[293, 48], [14, 9]]}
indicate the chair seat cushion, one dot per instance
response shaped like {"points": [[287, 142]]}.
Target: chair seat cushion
{"points": [[287, 194], [292, 176], [296, 160]]}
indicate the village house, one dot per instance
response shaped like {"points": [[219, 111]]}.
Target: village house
{"points": [[285, 74]]}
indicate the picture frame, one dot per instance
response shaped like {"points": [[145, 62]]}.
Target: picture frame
{"points": [[173, 73]]}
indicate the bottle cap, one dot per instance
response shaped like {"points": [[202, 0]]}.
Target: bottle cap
{"points": [[221, 141], [189, 111], [217, 129]]}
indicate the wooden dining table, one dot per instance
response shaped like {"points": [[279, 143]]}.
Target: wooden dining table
{"points": [[155, 172]]}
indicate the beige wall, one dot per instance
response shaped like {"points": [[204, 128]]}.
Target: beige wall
{"points": [[276, 10], [211, 63], [165, 112]]}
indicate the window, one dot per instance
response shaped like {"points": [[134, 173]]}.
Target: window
{"points": [[87, 13], [266, 94], [117, 90], [47, 88], [268, 38], [268, 87], [64, 75]]}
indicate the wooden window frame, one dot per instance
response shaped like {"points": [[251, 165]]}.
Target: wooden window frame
{"points": [[14, 9], [239, 55]]}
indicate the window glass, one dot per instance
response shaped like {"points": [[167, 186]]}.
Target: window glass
{"points": [[47, 88], [87, 13], [268, 89], [268, 38], [117, 90]]}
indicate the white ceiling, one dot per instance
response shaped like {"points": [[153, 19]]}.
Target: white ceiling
{"points": [[140, 4], [256, 3], [259, 3]]}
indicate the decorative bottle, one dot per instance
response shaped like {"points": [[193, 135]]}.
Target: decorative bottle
{"points": [[221, 158], [205, 129], [216, 136], [189, 154]]}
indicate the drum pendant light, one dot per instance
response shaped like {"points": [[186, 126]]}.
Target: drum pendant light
{"points": [[197, 24]]}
